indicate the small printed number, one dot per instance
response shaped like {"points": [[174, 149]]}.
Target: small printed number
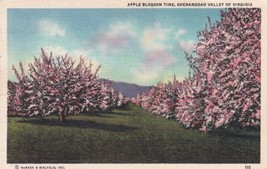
{"points": [[247, 167]]}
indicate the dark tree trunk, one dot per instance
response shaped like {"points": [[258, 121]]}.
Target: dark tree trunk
{"points": [[62, 117]]}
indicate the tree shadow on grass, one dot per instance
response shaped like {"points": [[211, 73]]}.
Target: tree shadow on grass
{"points": [[80, 124], [237, 133], [102, 115], [116, 113], [105, 114]]}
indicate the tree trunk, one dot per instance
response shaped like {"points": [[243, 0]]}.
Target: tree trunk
{"points": [[62, 117]]}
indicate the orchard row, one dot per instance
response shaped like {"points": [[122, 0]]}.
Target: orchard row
{"points": [[224, 90]]}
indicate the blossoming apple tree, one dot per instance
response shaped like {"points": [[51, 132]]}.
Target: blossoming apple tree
{"points": [[59, 85], [224, 90]]}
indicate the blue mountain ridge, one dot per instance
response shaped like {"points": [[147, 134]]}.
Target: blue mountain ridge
{"points": [[127, 89]]}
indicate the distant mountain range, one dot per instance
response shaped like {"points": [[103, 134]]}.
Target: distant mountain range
{"points": [[128, 89]]}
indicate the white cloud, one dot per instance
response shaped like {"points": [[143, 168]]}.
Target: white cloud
{"points": [[158, 58], [56, 50], [179, 33], [116, 37], [156, 42], [51, 28], [143, 75], [187, 46], [121, 28], [155, 38], [80, 52]]}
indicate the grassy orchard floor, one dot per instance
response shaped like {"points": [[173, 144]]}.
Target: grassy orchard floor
{"points": [[124, 136]]}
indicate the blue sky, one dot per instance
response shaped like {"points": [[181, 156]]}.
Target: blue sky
{"points": [[142, 46]]}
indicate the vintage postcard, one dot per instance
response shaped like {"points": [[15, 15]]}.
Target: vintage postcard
{"points": [[127, 84]]}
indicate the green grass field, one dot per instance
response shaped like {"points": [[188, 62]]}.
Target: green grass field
{"points": [[124, 136]]}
